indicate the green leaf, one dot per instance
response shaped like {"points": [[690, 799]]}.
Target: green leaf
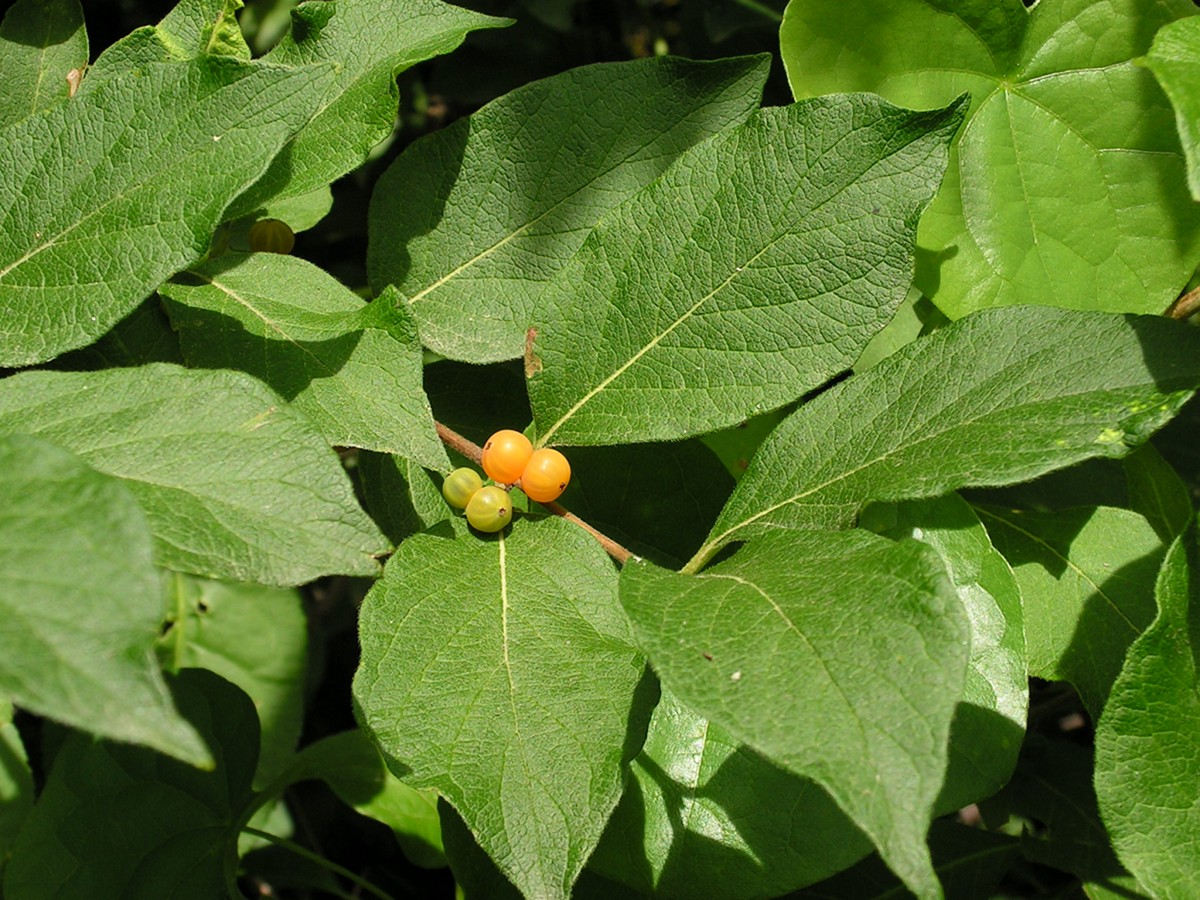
{"points": [[234, 482], [703, 810], [501, 673], [1147, 771], [838, 655], [254, 637], [352, 767], [1000, 397], [193, 28], [402, 497], [80, 602], [1066, 185], [1086, 578], [1157, 492], [1174, 58], [728, 287], [120, 821], [143, 336], [371, 44], [96, 222], [475, 874], [197, 27], [989, 723], [41, 42], [354, 368], [470, 253], [16, 783]]}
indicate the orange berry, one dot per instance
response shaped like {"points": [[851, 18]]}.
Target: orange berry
{"points": [[546, 475], [505, 455]]}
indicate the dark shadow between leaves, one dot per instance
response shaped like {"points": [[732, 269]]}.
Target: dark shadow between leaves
{"points": [[793, 832], [979, 738]]}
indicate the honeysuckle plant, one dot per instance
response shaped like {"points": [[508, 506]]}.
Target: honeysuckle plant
{"points": [[876, 568]]}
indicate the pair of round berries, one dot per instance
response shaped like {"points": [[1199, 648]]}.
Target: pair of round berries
{"points": [[508, 458]]}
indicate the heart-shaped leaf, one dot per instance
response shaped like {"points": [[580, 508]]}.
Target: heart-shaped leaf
{"points": [[501, 673], [1067, 184]]}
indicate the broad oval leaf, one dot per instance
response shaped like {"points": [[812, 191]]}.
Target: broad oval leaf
{"points": [[104, 197], [1147, 771], [705, 816], [501, 672], [354, 368], [755, 269], [1066, 185], [43, 45], [78, 641], [838, 655], [471, 253], [234, 482], [999, 397], [121, 821]]}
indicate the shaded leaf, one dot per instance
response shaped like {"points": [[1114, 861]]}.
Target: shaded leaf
{"points": [[989, 722], [234, 482], [705, 816], [970, 862], [501, 673], [1174, 58], [354, 368], [1147, 771], [254, 637], [103, 197], [755, 269], [41, 42], [119, 821], [1157, 492], [471, 252], [1086, 578], [78, 640], [1066, 185], [999, 397], [351, 765], [16, 783], [864, 636], [402, 497], [371, 44], [1051, 792]]}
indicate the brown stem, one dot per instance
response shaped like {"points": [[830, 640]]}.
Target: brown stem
{"points": [[1185, 306], [472, 451], [456, 441]]}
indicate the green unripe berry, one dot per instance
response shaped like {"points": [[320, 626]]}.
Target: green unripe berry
{"points": [[460, 485], [489, 509], [271, 236]]}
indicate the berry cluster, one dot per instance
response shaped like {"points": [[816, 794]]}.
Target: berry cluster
{"points": [[509, 459]]}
